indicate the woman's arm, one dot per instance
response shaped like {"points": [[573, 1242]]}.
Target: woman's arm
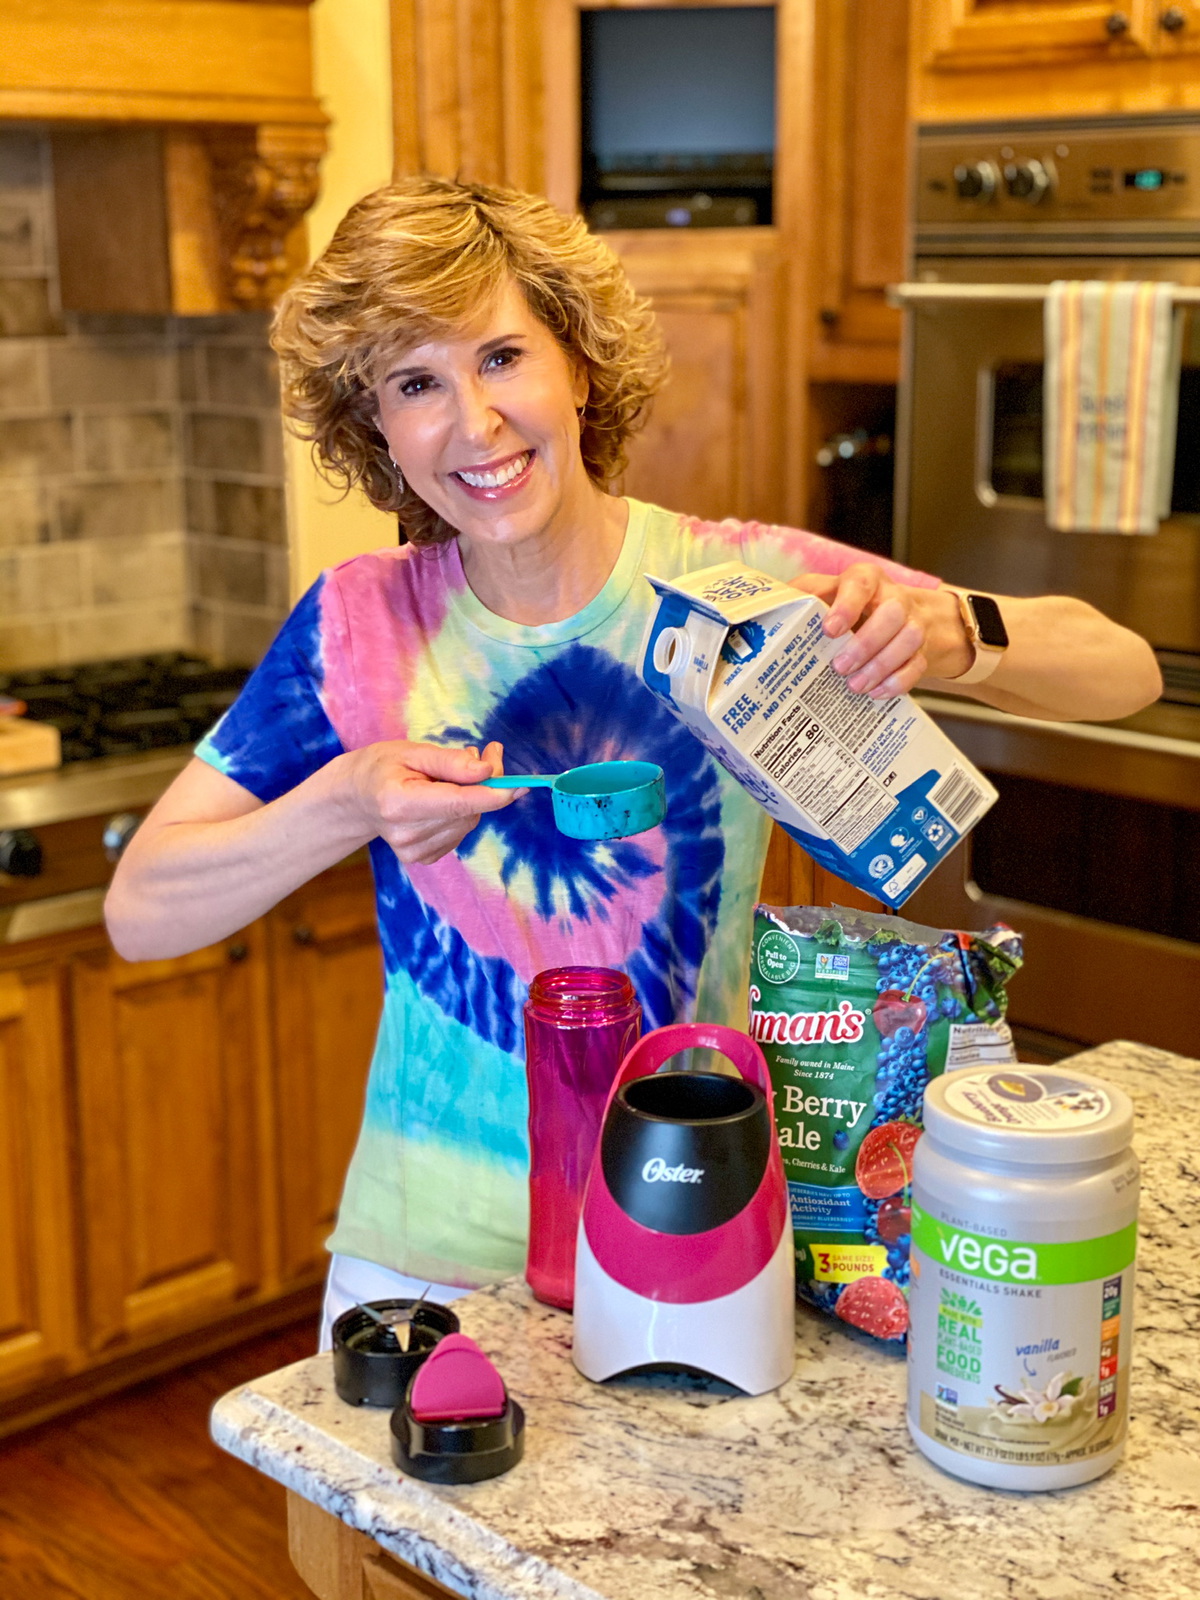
{"points": [[1065, 660], [210, 857]]}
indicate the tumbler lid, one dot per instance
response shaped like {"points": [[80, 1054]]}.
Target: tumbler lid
{"points": [[457, 1423]]}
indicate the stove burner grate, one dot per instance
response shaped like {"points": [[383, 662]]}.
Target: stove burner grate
{"points": [[110, 708]]}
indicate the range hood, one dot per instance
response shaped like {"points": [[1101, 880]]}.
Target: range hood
{"points": [[187, 144]]}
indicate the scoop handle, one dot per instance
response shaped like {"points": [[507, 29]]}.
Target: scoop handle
{"points": [[517, 780]]}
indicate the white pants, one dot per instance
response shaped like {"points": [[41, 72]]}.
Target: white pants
{"points": [[352, 1281]]}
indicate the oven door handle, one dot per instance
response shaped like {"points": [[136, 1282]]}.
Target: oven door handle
{"points": [[916, 294]]}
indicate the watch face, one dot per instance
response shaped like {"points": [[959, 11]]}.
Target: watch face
{"points": [[989, 621]]}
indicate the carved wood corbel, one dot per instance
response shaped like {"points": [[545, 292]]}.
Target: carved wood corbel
{"points": [[264, 179]]}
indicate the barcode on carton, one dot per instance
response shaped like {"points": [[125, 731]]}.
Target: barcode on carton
{"points": [[959, 798]]}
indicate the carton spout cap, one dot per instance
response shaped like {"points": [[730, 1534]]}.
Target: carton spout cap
{"points": [[672, 650]]}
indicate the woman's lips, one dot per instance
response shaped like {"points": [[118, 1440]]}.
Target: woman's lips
{"points": [[498, 481]]}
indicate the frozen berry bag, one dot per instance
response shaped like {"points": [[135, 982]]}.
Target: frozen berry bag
{"points": [[856, 1012]]}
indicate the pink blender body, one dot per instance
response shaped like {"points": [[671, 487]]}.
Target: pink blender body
{"points": [[685, 1252], [580, 1024]]}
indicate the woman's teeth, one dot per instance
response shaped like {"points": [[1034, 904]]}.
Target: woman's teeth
{"points": [[503, 475]]}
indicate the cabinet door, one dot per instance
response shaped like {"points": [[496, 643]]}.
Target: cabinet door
{"points": [[861, 194], [172, 1082], [327, 972], [792, 878], [713, 444], [37, 1260], [955, 35]]}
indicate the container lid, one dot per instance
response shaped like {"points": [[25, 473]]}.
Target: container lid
{"points": [[1028, 1115]]}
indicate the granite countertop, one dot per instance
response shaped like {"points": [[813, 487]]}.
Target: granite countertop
{"points": [[660, 1488]]}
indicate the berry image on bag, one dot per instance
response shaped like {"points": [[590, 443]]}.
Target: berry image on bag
{"points": [[856, 1011]]}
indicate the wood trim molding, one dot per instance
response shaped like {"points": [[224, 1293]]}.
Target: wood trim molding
{"points": [[466, 89]]}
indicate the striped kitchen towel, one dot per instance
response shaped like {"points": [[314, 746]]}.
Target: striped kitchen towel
{"points": [[1112, 395]]}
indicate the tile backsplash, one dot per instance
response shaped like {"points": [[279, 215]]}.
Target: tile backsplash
{"points": [[141, 464]]}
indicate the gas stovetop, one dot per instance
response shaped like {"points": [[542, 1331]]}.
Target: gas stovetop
{"points": [[115, 708]]}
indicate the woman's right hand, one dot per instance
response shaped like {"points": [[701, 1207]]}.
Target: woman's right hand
{"points": [[423, 799]]}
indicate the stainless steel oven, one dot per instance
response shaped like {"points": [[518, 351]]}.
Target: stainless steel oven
{"points": [[1094, 847]]}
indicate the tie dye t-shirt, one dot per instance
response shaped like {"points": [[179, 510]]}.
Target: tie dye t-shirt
{"points": [[395, 645]]}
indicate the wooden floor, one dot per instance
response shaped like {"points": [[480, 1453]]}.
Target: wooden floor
{"points": [[130, 1499]]}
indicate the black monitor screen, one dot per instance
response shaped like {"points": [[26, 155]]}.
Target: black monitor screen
{"points": [[694, 85]]}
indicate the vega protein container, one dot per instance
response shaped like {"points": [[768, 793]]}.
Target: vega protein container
{"points": [[1024, 1230]]}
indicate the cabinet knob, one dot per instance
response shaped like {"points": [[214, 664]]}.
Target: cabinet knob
{"points": [[1116, 23], [1172, 19], [118, 831], [238, 951], [828, 317], [303, 934], [20, 853]]}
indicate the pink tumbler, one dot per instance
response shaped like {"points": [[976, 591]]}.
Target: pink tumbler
{"points": [[580, 1023]]}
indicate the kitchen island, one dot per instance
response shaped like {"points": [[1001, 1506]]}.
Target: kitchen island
{"points": [[661, 1488]]}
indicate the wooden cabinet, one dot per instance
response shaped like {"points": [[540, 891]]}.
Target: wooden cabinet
{"points": [[753, 317], [492, 92], [328, 991], [173, 1139], [37, 1256], [1029, 58], [171, 1071], [714, 445], [1007, 34], [860, 189]]}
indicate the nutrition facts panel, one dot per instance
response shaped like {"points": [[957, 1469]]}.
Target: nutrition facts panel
{"points": [[814, 770]]}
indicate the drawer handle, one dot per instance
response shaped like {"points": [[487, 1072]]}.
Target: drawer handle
{"points": [[237, 952], [1117, 23], [303, 934]]}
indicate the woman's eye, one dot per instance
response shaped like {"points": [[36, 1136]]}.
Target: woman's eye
{"points": [[503, 358], [415, 386]]}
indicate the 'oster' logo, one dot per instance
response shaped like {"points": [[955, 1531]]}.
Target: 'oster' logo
{"points": [[657, 1171]]}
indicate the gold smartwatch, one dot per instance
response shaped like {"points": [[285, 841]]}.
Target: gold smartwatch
{"points": [[985, 631]]}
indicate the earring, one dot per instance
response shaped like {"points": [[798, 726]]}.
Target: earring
{"points": [[399, 474], [579, 411]]}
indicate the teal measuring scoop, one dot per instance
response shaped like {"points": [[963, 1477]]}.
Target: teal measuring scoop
{"points": [[603, 800]]}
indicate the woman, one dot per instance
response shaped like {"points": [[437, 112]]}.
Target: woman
{"points": [[476, 361]]}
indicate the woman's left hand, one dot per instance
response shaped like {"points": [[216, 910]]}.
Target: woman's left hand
{"points": [[896, 635]]}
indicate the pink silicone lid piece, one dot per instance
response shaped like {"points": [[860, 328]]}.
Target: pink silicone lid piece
{"points": [[457, 1382]]}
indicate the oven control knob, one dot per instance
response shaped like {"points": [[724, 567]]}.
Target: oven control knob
{"points": [[1026, 180], [20, 853], [976, 181], [118, 831]]}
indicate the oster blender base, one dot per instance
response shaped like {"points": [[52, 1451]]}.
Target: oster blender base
{"points": [[684, 1256]]}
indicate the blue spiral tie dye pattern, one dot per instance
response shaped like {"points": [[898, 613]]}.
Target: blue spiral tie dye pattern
{"points": [[394, 645]]}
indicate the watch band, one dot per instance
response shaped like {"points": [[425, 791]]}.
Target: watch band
{"points": [[987, 657]]}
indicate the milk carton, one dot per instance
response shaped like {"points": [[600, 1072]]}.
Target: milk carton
{"points": [[872, 789]]}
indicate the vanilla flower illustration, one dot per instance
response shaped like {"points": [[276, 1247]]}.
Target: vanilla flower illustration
{"points": [[1039, 1405]]}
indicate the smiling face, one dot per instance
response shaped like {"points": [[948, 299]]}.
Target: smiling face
{"points": [[484, 426]]}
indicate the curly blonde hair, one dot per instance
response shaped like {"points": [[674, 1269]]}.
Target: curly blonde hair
{"points": [[417, 260]]}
